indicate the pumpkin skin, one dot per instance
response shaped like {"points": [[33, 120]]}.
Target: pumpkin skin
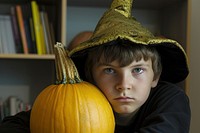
{"points": [[71, 108]]}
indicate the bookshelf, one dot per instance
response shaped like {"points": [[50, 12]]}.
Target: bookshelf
{"points": [[28, 56], [24, 75], [30, 73]]}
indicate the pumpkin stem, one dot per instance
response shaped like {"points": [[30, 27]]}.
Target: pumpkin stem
{"points": [[66, 71]]}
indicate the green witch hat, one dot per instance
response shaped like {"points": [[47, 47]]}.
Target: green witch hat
{"points": [[118, 23]]}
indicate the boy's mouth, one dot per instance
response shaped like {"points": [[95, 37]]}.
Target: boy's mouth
{"points": [[124, 99]]}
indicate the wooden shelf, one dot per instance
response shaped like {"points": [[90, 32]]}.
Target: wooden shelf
{"points": [[147, 4], [27, 56], [26, 75]]}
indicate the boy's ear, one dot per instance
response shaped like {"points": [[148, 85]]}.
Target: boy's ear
{"points": [[155, 81]]}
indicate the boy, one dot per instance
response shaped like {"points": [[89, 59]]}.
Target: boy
{"points": [[134, 70], [128, 75]]}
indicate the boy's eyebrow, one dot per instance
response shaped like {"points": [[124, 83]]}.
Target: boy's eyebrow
{"points": [[104, 64], [141, 64], [137, 64]]}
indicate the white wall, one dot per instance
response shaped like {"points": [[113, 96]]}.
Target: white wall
{"points": [[195, 66], [85, 18], [81, 19]]}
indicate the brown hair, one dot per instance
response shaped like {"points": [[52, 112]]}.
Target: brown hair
{"points": [[124, 53]]}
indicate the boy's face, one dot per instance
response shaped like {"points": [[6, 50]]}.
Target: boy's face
{"points": [[126, 88]]}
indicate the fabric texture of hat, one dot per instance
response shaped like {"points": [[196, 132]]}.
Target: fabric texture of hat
{"points": [[118, 23]]}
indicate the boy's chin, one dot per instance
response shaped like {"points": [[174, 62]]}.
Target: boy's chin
{"points": [[125, 110]]}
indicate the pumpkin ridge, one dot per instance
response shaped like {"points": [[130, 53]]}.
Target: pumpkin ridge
{"points": [[87, 107], [64, 117], [58, 104], [78, 108], [48, 105]]}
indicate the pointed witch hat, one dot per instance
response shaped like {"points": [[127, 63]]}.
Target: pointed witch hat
{"points": [[118, 23]]}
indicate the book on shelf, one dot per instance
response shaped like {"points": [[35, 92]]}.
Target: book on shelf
{"points": [[9, 35], [12, 105], [27, 29], [38, 28], [34, 47], [27, 17], [4, 48], [7, 44], [47, 35], [22, 29], [16, 32], [52, 33]]}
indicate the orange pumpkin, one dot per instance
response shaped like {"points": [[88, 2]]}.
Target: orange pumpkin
{"points": [[72, 105]]}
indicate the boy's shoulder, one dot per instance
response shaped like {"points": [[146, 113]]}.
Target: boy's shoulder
{"points": [[165, 93], [167, 87], [166, 105], [18, 123]]}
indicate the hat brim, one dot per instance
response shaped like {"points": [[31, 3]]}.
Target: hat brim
{"points": [[173, 58]]}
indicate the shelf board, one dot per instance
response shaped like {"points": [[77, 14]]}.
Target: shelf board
{"points": [[147, 4], [27, 56], [25, 1]]}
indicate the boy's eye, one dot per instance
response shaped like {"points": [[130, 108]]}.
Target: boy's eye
{"points": [[137, 70], [109, 70]]}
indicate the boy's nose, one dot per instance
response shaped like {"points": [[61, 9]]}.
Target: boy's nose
{"points": [[122, 88], [124, 82]]}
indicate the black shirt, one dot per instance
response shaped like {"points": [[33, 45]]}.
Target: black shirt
{"points": [[166, 110]]}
